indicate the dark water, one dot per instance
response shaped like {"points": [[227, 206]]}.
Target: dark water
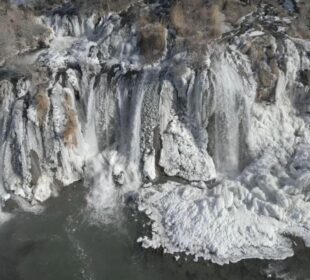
{"points": [[61, 244]]}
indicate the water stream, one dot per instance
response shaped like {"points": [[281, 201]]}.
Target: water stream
{"points": [[232, 103], [130, 98]]}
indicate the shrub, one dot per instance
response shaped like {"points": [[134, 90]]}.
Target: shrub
{"points": [[152, 40], [196, 23], [79, 6], [7, 37], [27, 31], [43, 104], [7, 43], [102, 6], [300, 27], [189, 16], [215, 21], [178, 19], [70, 138], [234, 10], [19, 32]]}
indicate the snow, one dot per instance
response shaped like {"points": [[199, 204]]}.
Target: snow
{"points": [[256, 33], [215, 225], [150, 166], [245, 163], [249, 215], [181, 157], [43, 191], [236, 219]]}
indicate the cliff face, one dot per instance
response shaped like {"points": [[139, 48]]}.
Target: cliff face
{"points": [[119, 104]]}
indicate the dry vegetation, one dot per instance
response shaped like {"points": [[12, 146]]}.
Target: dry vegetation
{"points": [[103, 6], [215, 21], [7, 37], [70, 138], [234, 10], [189, 16], [82, 6], [19, 32], [43, 105], [197, 22], [200, 20], [152, 40], [300, 27]]}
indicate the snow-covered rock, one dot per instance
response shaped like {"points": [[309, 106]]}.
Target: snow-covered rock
{"points": [[181, 157]]}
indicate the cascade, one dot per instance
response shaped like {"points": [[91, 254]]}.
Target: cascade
{"points": [[130, 99], [180, 118], [116, 172], [90, 127], [232, 100]]}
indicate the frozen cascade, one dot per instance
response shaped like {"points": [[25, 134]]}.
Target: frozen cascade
{"points": [[116, 173], [73, 26], [196, 102], [90, 127], [233, 98], [139, 127], [130, 98]]}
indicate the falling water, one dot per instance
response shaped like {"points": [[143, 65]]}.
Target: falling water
{"points": [[196, 104], [130, 99], [231, 109], [90, 133], [115, 172]]}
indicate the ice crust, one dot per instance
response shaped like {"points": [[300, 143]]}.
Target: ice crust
{"points": [[213, 224]]}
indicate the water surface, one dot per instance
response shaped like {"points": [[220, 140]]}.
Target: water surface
{"points": [[64, 243]]}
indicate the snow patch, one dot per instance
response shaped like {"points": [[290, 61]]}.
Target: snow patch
{"points": [[43, 191]]}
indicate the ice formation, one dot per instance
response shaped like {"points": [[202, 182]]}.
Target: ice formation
{"points": [[217, 157]]}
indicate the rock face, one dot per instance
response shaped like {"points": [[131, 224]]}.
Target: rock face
{"points": [[107, 113]]}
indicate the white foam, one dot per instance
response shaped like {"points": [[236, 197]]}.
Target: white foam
{"points": [[110, 177]]}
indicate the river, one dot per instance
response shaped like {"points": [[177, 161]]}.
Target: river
{"points": [[63, 242]]}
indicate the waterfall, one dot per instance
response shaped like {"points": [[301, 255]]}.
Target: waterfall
{"points": [[195, 102], [130, 99], [115, 173], [90, 127], [232, 100]]}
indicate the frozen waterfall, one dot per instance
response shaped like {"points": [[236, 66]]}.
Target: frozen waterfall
{"points": [[130, 97], [215, 151], [233, 98]]}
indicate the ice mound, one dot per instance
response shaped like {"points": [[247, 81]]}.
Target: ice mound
{"points": [[253, 214], [224, 224]]}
